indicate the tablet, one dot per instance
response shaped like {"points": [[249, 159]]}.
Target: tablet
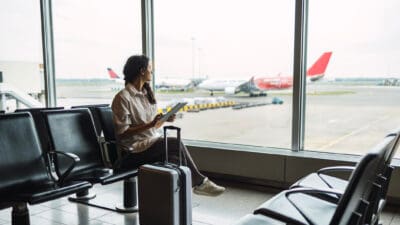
{"points": [[174, 110]]}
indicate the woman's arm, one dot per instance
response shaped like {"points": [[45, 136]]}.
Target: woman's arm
{"points": [[132, 130]]}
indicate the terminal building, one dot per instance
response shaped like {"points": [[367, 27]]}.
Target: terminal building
{"points": [[323, 150]]}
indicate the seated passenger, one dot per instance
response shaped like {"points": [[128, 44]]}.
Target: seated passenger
{"points": [[136, 123]]}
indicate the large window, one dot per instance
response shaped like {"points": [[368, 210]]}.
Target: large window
{"points": [[218, 53], [356, 103], [93, 39], [21, 63]]}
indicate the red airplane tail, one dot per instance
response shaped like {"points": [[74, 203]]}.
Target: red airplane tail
{"points": [[112, 74], [317, 70]]}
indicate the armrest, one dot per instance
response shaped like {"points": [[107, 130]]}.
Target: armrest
{"points": [[68, 154], [336, 169], [74, 158], [278, 216], [327, 194], [333, 169], [309, 191], [313, 191]]}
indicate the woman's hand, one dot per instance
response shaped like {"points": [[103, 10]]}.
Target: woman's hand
{"points": [[172, 118], [156, 121]]}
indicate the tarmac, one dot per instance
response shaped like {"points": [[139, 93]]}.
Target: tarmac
{"points": [[339, 118]]}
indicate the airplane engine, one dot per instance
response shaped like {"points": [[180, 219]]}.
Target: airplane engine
{"points": [[229, 90]]}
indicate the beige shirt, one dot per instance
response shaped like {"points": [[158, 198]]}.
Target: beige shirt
{"points": [[131, 108]]}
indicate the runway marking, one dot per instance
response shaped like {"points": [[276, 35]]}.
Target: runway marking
{"points": [[353, 133]]}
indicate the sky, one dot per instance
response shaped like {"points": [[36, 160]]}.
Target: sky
{"points": [[207, 38]]}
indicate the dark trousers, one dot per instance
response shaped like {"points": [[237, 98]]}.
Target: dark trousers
{"points": [[156, 153]]}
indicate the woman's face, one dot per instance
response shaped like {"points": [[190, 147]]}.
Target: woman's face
{"points": [[148, 72]]}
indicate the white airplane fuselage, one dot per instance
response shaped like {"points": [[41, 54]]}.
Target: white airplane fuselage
{"points": [[219, 84]]}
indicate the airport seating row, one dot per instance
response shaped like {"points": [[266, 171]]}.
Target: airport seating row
{"points": [[66, 142], [102, 122], [320, 198], [67, 145], [24, 170]]}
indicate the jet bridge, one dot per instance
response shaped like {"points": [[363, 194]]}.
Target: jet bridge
{"points": [[8, 93]]}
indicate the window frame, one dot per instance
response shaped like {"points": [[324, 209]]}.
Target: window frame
{"points": [[147, 10]]}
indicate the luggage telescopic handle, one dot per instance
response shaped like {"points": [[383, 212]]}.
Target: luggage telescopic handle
{"points": [[178, 133], [171, 128]]}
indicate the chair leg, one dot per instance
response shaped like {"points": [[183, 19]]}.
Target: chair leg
{"points": [[82, 196], [20, 214], [130, 199], [130, 196]]}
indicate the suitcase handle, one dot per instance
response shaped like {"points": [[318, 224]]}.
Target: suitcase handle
{"points": [[171, 128], [178, 134]]}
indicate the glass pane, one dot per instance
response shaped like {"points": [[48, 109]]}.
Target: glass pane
{"points": [[214, 54], [92, 41], [356, 103], [21, 61]]}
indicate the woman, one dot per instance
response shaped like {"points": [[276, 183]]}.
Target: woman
{"points": [[136, 122]]}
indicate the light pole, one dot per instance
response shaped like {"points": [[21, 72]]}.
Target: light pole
{"points": [[199, 62], [193, 56]]}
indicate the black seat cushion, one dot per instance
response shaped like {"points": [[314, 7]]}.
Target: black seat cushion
{"points": [[120, 175], [315, 209], [92, 174], [280, 204], [50, 191], [103, 175], [314, 181]]}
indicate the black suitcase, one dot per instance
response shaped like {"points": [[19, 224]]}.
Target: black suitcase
{"points": [[165, 191]]}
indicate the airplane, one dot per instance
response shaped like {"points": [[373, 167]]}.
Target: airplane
{"points": [[171, 84], [113, 76], [257, 86], [228, 86]]}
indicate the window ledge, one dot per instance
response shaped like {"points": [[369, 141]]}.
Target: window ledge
{"points": [[279, 151]]}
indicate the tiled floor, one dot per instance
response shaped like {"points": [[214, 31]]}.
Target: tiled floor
{"points": [[225, 209]]}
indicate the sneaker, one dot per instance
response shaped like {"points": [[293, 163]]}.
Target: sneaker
{"points": [[208, 188]]}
